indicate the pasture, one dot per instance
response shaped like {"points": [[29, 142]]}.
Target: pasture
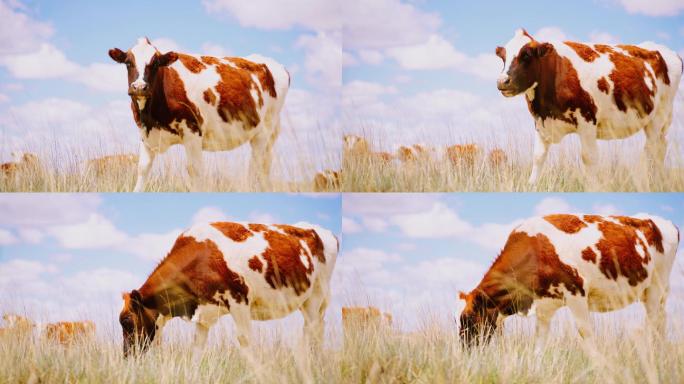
{"points": [[430, 354]]}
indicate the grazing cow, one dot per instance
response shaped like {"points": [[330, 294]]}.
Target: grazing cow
{"points": [[68, 332], [413, 153], [21, 162], [497, 158], [18, 323], [587, 263], [250, 271], [361, 318], [356, 146], [204, 103], [463, 155], [597, 91], [107, 164], [327, 180]]}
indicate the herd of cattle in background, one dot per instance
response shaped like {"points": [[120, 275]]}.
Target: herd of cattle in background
{"points": [[588, 263]]}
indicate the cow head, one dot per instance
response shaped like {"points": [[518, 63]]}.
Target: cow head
{"points": [[522, 58], [478, 318], [142, 61], [137, 322]]}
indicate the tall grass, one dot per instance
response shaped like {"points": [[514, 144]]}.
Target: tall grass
{"points": [[433, 354]]}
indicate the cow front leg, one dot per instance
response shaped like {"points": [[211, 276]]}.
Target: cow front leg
{"points": [[262, 157], [145, 158], [243, 324], [541, 150], [193, 152], [579, 307]]}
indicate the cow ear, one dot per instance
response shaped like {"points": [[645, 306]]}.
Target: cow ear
{"points": [[462, 295], [501, 52], [117, 55], [136, 299], [167, 59], [542, 49]]}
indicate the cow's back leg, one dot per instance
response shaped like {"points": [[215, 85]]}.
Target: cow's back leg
{"points": [[262, 151], [243, 323], [313, 311], [541, 150], [206, 318], [579, 307], [145, 159], [590, 154], [193, 151], [544, 311], [654, 302]]}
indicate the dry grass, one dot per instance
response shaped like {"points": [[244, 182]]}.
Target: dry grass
{"points": [[431, 355], [618, 171]]}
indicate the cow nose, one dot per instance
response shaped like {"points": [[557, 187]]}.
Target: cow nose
{"points": [[503, 82]]}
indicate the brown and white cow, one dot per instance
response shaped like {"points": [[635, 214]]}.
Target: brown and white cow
{"points": [[250, 271], [464, 155], [357, 147], [414, 152], [111, 163], [364, 318], [68, 332], [587, 263], [204, 103], [327, 180], [597, 91]]}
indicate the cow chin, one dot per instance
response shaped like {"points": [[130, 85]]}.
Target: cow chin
{"points": [[509, 92], [141, 101]]}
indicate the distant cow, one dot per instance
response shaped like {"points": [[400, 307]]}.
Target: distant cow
{"points": [[595, 90], [22, 162], [111, 163], [464, 155], [17, 323], [204, 103], [68, 332], [587, 263], [364, 318], [408, 153], [250, 271], [358, 147], [497, 158], [327, 180]]}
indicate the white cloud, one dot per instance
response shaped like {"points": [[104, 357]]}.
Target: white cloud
{"points": [[350, 226], [4, 98], [24, 210], [322, 58], [6, 237], [385, 23], [439, 221], [435, 53], [19, 32], [550, 34], [95, 232], [348, 59], [406, 247], [653, 7], [492, 235], [208, 215], [100, 280], [61, 257], [606, 209], [552, 205], [286, 14], [31, 235], [263, 218], [386, 204], [371, 56], [603, 38], [165, 44], [375, 224], [213, 49], [45, 63], [149, 246]]}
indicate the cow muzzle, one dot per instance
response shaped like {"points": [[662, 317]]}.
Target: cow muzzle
{"points": [[139, 89], [505, 85]]}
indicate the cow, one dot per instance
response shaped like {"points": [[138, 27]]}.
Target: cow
{"points": [[355, 318], [18, 322], [204, 103], [358, 148], [22, 162], [587, 263], [497, 158], [326, 180], [68, 332], [463, 155], [107, 164], [415, 152], [597, 91], [250, 271]]}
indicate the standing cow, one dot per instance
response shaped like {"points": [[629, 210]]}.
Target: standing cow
{"points": [[204, 103], [595, 90], [587, 263], [250, 271]]}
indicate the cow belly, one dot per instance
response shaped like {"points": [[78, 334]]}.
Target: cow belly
{"points": [[553, 130], [620, 127], [225, 136], [611, 295], [160, 140]]}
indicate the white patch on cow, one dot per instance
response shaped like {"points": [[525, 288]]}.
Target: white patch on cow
{"points": [[304, 257], [159, 140], [143, 52], [141, 101], [512, 50]]}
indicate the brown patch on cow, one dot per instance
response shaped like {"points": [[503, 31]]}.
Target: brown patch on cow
{"points": [[650, 230], [588, 254], [260, 70], [284, 267], [583, 51], [527, 267], [191, 63], [235, 98], [603, 48], [210, 60], [603, 85], [234, 231], [566, 223], [192, 274], [209, 96], [169, 103], [310, 237], [619, 256], [68, 332], [629, 84], [559, 91], [255, 264], [654, 58], [257, 227], [592, 219]]}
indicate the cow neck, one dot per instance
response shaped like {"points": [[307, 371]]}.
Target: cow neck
{"points": [[167, 291], [156, 112], [545, 99]]}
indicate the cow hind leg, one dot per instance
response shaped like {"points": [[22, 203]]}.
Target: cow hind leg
{"points": [[262, 155], [145, 159], [193, 151], [653, 157], [655, 299], [206, 318], [313, 312], [590, 154], [579, 307]]}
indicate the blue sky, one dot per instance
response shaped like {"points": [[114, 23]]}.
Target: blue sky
{"points": [[411, 252], [62, 255], [434, 80], [57, 80]]}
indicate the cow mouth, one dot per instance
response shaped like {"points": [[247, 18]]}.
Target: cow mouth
{"points": [[140, 99], [507, 92]]}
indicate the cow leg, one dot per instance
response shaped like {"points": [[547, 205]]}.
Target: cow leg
{"points": [[206, 318], [160, 323], [541, 150], [262, 154], [243, 323], [590, 154], [193, 152], [656, 316], [544, 313], [579, 306], [145, 159], [313, 312]]}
